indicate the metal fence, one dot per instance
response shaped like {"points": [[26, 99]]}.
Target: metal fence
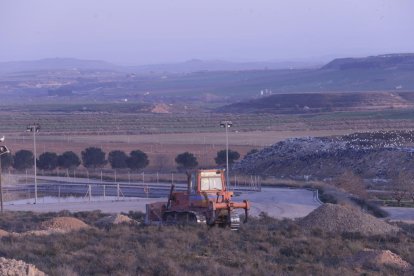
{"points": [[88, 186]]}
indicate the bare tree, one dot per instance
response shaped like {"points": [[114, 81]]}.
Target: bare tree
{"points": [[400, 186], [352, 183]]}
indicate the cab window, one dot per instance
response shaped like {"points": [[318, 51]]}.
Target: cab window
{"points": [[211, 183]]}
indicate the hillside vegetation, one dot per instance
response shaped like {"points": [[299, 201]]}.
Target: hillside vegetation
{"points": [[264, 246]]}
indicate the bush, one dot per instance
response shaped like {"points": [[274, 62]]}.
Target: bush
{"points": [[137, 160], [186, 160], [68, 160], [23, 159], [93, 157], [370, 207], [220, 159], [326, 197], [47, 161], [117, 159], [6, 161]]}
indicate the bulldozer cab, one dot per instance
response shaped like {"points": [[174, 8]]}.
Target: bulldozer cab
{"points": [[203, 181]]}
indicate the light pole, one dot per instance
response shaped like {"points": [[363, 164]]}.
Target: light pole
{"points": [[3, 150], [34, 128], [226, 125]]}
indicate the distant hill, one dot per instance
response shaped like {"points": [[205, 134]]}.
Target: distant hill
{"points": [[218, 82], [190, 66], [322, 102], [196, 65], [55, 64], [392, 61]]}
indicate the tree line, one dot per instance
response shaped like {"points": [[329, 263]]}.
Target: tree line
{"points": [[94, 157]]}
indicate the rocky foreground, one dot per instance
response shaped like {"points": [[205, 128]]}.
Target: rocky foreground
{"points": [[11, 267]]}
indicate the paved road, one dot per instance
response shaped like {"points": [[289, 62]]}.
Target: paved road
{"points": [[279, 203], [400, 213], [276, 202]]}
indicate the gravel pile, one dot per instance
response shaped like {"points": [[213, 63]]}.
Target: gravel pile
{"points": [[115, 219], [338, 218], [11, 267], [369, 154], [65, 224], [378, 258]]}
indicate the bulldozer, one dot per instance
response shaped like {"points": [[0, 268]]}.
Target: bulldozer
{"points": [[206, 201]]}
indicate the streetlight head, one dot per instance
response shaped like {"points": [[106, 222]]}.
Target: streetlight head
{"points": [[226, 124], [4, 150], [33, 128]]}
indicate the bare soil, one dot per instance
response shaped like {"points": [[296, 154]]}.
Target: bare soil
{"points": [[378, 258]]}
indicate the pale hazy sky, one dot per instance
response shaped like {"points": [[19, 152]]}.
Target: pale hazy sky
{"points": [[156, 31]]}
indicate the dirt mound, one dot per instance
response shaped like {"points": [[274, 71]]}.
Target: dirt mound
{"points": [[3, 233], [378, 258], [11, 267], [115, 219], [64, 224], [337, 218], [161, 108]]}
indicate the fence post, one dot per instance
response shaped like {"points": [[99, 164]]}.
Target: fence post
{"points": [[104, 191], [157, 178], [117, 191], [59, 193]]}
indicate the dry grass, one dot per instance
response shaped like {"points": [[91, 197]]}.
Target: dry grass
{"points": [[264, 246]]}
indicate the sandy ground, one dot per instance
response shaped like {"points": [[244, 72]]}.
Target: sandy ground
{"points": [[279, 203]]}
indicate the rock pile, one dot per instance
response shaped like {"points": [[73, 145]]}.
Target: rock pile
{"points": [[373, 155], [115, 219], [3, 233], [378, 258], [64, 224], [11, 267], [339, 219]]}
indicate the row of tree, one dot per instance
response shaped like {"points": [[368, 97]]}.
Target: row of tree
{"points": [[94, 157]]}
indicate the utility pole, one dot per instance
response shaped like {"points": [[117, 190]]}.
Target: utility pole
{"points": [[226, 125], [3, 150], [34, 128]]}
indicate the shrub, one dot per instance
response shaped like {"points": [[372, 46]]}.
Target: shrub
{"points": [[117, 159], [47, 161], [220, 159], [186, 160], [23, 159], [68, 160], [93, 157], [137, 160]]}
